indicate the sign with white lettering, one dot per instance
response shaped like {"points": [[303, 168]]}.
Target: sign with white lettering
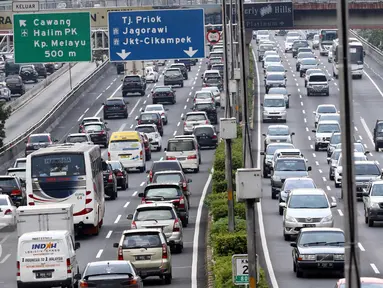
{"points": [[52, 37], [25, 6], [154, 35], [240, 269]]}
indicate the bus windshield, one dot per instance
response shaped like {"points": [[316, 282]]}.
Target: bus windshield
{"points": [[356, 55], [328, 35], [58, 165]]}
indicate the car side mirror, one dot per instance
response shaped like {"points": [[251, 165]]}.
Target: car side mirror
{"points": [[77, 277], [77, 245], [115, 245], [309, 168], [105, 123], [262, 104], [328, 160], [314, 130], [141, 195], [282, 205], [122, 80], [293, 133], [329, 80], [164, 149], [183, 118], [365, 194], [130, 217], [262, 153], [263, 134], [333, 205], [367, 152], [142, 109], [293, 244], [190, 180], [103, 104]]}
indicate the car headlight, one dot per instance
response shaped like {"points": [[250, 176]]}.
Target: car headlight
{"points": [[327, 218], [374, 205], [157, 135], [318, 139], [307, 257], [290, 219], [339, 257]]}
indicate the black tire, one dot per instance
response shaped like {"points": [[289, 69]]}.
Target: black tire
{"points": [[124, 185], [370, 222], [331, 177], [337, 185], [316, 147], [196, 170], [376, 148], [114, 195], [299, 273], [182, 84], [280, 211], [142, 169], [168, 279], [365, 217], [124, 94], [179, 248], [286, 237], [126, 116], [159, 149], [273, 194], [142, 93], [265, 173]]}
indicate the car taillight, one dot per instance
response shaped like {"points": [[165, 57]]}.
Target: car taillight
{"points": [[120, 174], [184, 123], [150, 176], [192, 156], [7, 212], [68, 266], [133, 225], [83, 283], [164, 251], [120, 256], [122, 106], [109, 156], [16, 192], [207, 122], [102, 132], [176, 226], [214, 137], [184, 185], [141, 155], [110, 178], [18, 268], [139, 122], [170, 158], [87, 200], [163, 114]]}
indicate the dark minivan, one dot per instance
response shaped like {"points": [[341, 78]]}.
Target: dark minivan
{"points": [[115, 107], [165, 165], [15, 84], [11, 68]]}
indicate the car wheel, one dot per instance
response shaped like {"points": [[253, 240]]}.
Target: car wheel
{"points": [[294, 267], [159, 148], [337, 185], [168, 279], [182, 84], [365, 216], [331, 176], [179, 248], [376, 148], [273, 194], [196, 170], [265, 173], [370, 222], [142, 169], [286, 237], [316, 147], [299, 273], [280, 211], [114, 195]]}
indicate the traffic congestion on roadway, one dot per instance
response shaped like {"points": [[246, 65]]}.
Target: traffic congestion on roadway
{"points": [[299, 136], [112, 195]]}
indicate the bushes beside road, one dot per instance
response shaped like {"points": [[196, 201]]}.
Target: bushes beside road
{"points": [[222, 243]]}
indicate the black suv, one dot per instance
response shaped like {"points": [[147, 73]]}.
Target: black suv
{"points": [[11, 68], [41, 70], [110, 181], [50, 67], [187, 62], [173, 76], [133, 84], [165, 165], [299, 44], [183, 69], [97, 132], [378, 135], [164, 94], [14, 187], [115, 107], [15, 84], [210, 110], [120, 67], [29, 73], [152, 118]]}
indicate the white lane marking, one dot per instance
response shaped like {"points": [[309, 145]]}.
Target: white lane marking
{"points": [[299, 90], [333, 199], [114, 93], [196, 232], [356, 129], [122, 127], [99, 253], [303, 111], [135, 193], [369, 134], [142, 184], [265, 249], [372, 266], [187, 100], [99, 95], [324, 179], [360, 137], [373, 83], [126, 204], [340, 212], [144, 102], [86, 110], [117, 219], [5, 258], [131, 126], [79, 119], [185, 107], [301, 103], [4, 239], [109, 234], [361, 247], [304, 119], [328, 188], [307, 128], [311, 146], [175, 132], [365, 146], [178, 124], [162, 158], [317, 163], [314, 155], [320, 171], [135, 106], [108, 86], [309, 137]]}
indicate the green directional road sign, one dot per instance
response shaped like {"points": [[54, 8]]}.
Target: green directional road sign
{"points": [[52, 37]]}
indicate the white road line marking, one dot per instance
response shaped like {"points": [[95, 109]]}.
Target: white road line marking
{"points": [[324, 179], [314, 155], [297, 83], [361, 247], [134, 108], [135, 193], [304, 119], [108, 86], [117, 219], [303, 111], [365, 146], [109, 234], [178, 124], [328, 188], [307, 128], [99, 253], [122, 127], [175, 132], [79, 119], [142, 184], [5, 258], [317, 163], [144, 102], [320, 171], [360, 137], [299, 90], [340, 212], [4, 239], [187, 100], [196, 233], [126, 204], [185, 107], [356, 129], [131, 126], [311, 147], [182, 115], [333, 199], [372, 266], [190, 93], [86, 110], [98, 96], [309, 137]]}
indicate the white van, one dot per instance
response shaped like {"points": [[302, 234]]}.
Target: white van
{"points": [[185, 151], [47, 259], [210, 73]]}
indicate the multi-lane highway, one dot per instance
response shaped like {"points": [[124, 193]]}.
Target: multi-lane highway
{"points": [[368, 100], [30, 113], [101, 247]]}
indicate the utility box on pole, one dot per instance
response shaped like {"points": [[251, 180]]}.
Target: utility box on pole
{"points": [[248, 183], [228, 128]]}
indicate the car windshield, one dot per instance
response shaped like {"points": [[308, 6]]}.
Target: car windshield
{"points": [[328, 128], [293, 34], [8, 182], [291, 165], [166, 166], [195, 117], [296, 184], [21, 164], [13, 80], [335, 139], [99, 272], [303, 49], [115, 165], [367, 169], [308, 201], [132, 79], [198, 131], [145, 214], [276, 77], [328, 116], [76, 139], [290, 40], [113, 102], [273, 59], [213, 80], [203, 95], [327, 109], [163, 192], [162, 89], [142, 240], [38, 139], [272, 148], [93, 128], [167, 178], [311, 71], [377, 190], [278, 90], [274, 103], [204, 106], [26, 69], [145, 129], [318, 78], [3, 202], [180, 145], [263, 32], [124, 145], [273, 131], [60, 164], [172, 72], [366, 285], [315, 238], [150, 116], [275, 68], [305, 55], [154, 108], [90, 120], [309, 61], [265, 47]]}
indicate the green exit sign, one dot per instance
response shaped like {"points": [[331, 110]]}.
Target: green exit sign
{"points": [[52, 37], [241, 279]]}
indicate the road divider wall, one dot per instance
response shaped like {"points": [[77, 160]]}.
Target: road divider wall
{"points": [[16, 148], [37, 89], [372, 51], [222, 244]]}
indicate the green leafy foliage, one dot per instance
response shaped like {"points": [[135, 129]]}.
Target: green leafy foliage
{"points": [[5, 112], [230, 243], [219, 209]]}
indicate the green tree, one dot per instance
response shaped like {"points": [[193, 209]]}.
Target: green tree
{"points": [[5, 112]]}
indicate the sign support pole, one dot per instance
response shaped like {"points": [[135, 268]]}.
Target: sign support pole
{"points": [[70, 76]]}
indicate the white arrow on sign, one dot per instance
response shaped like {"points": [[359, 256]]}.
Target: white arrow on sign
{"points": [[190, 52], [123, 54], [23, 23]]}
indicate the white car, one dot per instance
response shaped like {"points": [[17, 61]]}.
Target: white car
{"points": [[154, 136], [160, 109], [7, 212], [5, 93], [358, 156], [268, 53], [20, 163], [306, 207], [316, 42], [289, 43], [204, 96], [262, 35], [323, 133], [216, 93], [151, 74], [78, 138], [278, 68], [271, 60], [311, 71], [274, 108], [185, 151], [322, 109]]}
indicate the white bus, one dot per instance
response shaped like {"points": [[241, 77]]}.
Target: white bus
{"points": [[356, 58], [326, 38], [69, 174]]}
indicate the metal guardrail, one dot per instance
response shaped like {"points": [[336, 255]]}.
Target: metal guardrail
{"points": [[372, 51], [53, 117]]}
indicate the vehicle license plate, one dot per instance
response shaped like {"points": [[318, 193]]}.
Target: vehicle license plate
{"points": [[42, 275], [125, 156], [181, 158], [308, 225], [325, 265], [143, 257]]}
